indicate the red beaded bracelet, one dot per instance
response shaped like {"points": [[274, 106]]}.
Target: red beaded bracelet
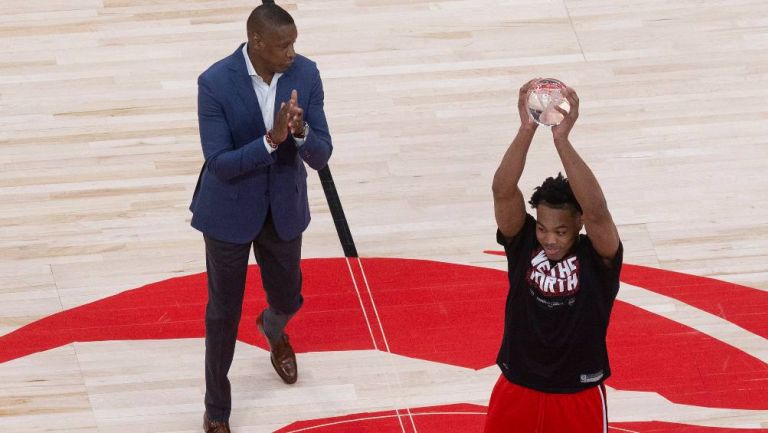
{"points": [[271, 141]]}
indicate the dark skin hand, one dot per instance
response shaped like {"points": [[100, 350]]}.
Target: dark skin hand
{"points": [[296, 124], [290, 119], [526, 121], [561, 131]]}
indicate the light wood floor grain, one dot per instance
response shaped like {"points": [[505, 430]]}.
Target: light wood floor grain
{"points": [[99, 155]]}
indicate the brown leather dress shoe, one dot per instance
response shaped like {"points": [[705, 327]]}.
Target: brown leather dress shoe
{"points": [[215, 426], [281, 354]]}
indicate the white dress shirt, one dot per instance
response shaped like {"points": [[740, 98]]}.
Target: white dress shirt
{"points": [[265, 94]]}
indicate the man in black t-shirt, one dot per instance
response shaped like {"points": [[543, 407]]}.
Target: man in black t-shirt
{"points": [[562, 285]]}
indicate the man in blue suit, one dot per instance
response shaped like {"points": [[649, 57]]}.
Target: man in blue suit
{"points": [[261, 118]]}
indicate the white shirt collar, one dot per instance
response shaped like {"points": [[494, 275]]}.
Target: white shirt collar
{"points": [[252, 70]]}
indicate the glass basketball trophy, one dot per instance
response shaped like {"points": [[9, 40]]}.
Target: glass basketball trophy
{"points": [[544, 96]]}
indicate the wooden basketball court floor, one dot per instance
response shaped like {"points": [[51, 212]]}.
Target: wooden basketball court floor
{"points": [[101, 291]]}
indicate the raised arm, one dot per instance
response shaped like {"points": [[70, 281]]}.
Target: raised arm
{"points": [[508, 202], [222, 159], [597, 219]]}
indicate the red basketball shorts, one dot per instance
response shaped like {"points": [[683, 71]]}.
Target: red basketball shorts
{"points": [[517, 409]]}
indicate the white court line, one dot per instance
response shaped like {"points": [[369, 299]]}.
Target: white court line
{"points": [[383, 335], [369, 418], [623, 429], [362, 307], [604, 405], [368, 323]]}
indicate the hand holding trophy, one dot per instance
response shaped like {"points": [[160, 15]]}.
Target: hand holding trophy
{"points": [[544, 95]]}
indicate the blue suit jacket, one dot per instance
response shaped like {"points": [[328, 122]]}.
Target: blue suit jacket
{"points": [[240, 181]]}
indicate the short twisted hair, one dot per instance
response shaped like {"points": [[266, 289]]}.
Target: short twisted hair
{"points": [[555, 192]]}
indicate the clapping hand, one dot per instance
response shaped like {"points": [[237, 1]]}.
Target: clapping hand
{"points": [[296, 123], [290, 119]]}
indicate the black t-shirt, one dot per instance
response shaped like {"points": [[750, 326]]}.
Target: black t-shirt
{"points": [[557, 314]]}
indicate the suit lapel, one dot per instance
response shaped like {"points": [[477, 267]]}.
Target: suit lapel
{"points": [[243, 86]]}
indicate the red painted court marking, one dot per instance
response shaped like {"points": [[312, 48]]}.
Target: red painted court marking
{"points": [[363, 307], [440, 312], [357, 274], [447, 313], [665, 427], [406, 426], [464, 418], [740, 305], [651, 353], [458, 418]]}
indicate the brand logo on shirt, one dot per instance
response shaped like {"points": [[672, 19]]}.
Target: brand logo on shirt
{"points": [[591, 378], [558, 280]]}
